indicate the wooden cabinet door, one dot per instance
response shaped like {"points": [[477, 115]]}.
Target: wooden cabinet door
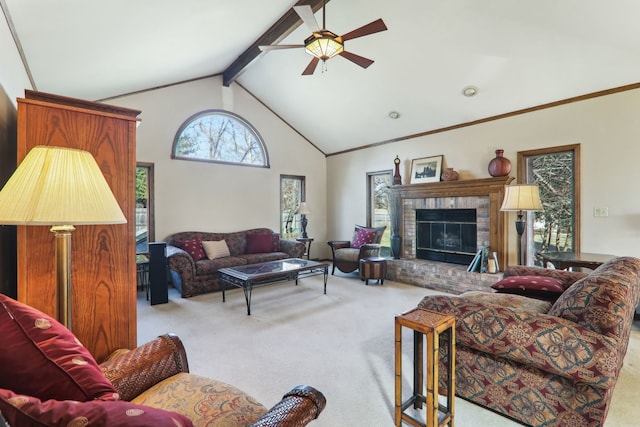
{"points": [[102, 256]]}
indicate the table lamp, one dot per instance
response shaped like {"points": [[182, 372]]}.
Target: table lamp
{"points": [[303, 211], [58, 187], [521, 198]]}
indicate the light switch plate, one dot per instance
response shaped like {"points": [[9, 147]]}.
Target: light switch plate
{"points": [[601, 212]]}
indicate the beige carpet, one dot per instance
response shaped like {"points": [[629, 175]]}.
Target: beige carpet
{"points": [[341, 343]]}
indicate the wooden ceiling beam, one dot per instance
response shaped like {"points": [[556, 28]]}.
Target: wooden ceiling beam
{"points": [[278, 31]]}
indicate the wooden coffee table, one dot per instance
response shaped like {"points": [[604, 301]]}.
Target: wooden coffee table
{"points": [[250, 276]]}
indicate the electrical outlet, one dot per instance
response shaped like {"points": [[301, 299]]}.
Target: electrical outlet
{"points": [[600, 212]]}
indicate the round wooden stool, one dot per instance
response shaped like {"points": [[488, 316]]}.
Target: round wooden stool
{"points": [[373, 268]]}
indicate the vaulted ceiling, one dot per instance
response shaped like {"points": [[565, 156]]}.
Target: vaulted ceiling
{"points": [[518, 53]]}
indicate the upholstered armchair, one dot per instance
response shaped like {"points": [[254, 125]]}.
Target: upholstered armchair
{"points": [[156, 374], [47, 378], [348, 253]]}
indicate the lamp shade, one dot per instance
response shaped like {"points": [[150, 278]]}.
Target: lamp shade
{"points": [[324, 45], [58, 186], [521, 197], [303, 209]]}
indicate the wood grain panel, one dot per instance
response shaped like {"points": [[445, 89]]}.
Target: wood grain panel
{"points": [[103, 256]]}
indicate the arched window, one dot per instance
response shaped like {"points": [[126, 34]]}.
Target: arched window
{"points": [[222, 137]]}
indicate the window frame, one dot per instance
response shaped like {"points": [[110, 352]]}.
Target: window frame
{"points": [[522, 178], [233, 116], [303, 198], [370, 208]]}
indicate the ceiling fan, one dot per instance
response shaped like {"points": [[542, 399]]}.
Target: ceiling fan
{"points": [[322, 44]]}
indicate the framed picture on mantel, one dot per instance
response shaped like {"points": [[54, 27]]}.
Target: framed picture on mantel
{"points": [[426, 169]]}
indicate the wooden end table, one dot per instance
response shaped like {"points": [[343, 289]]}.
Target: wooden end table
{"points": [[430, 325]]}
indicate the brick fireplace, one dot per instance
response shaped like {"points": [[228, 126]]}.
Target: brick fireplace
{"points": [[483, 195]]}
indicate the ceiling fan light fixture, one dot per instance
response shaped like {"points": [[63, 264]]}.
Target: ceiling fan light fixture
{"points": [[324, 45]]}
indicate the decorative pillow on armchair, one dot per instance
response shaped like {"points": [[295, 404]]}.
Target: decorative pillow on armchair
{"points": [[42, 358], [21, 410], [363, 236]]}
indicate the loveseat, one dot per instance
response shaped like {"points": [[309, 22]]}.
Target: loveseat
{"points": [[544, 363], [194, 271], [47, 378]]}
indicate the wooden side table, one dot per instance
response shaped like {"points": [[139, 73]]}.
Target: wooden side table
{"points": [[373, 268], [307, 246], [429, 325]]}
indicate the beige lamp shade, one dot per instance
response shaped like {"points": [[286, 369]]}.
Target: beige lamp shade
{"points": [[303, 209], [522, 197], [58, 186]]}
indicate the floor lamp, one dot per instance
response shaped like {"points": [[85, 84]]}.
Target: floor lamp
{"points": [[521, 198], [58, 187]]}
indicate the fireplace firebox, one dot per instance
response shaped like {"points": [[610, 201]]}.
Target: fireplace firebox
{"points": [[447, 235]]}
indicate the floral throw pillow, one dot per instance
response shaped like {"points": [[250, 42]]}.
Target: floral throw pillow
{"points": [[193, 247], [363, 236], [42, 358]]}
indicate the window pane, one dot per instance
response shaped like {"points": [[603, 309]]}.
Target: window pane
{"points": [[291, 194], [553, 228], [380, 201], [219, 135]]}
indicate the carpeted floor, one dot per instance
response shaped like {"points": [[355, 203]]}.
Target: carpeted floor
{"points": [[341, 343]]}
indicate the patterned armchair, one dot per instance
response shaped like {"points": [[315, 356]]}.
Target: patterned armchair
{"points": [[539, 363], [364, 244], [156, 374]]}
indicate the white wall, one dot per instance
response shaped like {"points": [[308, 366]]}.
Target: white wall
{"points": [[607, 128], [198, 196], [13, 77]]}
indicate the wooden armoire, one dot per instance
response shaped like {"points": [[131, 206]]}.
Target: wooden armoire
{"points": [[103, 259]]}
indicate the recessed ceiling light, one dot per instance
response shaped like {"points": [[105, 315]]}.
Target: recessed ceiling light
{"points": [[470, 91], [394, 115]]}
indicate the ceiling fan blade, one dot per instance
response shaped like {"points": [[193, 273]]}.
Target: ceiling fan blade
{"points": [[311, 67], [279, 46], [357, 59], [307, 16], [365, 30]]}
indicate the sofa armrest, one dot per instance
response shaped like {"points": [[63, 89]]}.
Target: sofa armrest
{"points": [[294, 248], [549, 343], [133, 371], [180, 261], [300, 406], [369, 250], [339, 244]]}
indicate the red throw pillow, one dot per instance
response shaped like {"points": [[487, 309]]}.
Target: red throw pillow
{"points": [[193, 247], [530, 285], [363, 236], [259, 243], [42, 358], [21, 410]]}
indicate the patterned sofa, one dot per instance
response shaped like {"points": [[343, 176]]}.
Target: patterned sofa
{"points": [[543, 363], [193, 277]]}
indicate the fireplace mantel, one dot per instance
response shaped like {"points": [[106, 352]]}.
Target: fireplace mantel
{"points": [[493, 188]]}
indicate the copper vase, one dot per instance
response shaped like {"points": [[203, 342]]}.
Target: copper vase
{"points": [[499, 165]]}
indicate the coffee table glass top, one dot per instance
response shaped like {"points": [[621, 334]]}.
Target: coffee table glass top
{"points": [[275, 267]]}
